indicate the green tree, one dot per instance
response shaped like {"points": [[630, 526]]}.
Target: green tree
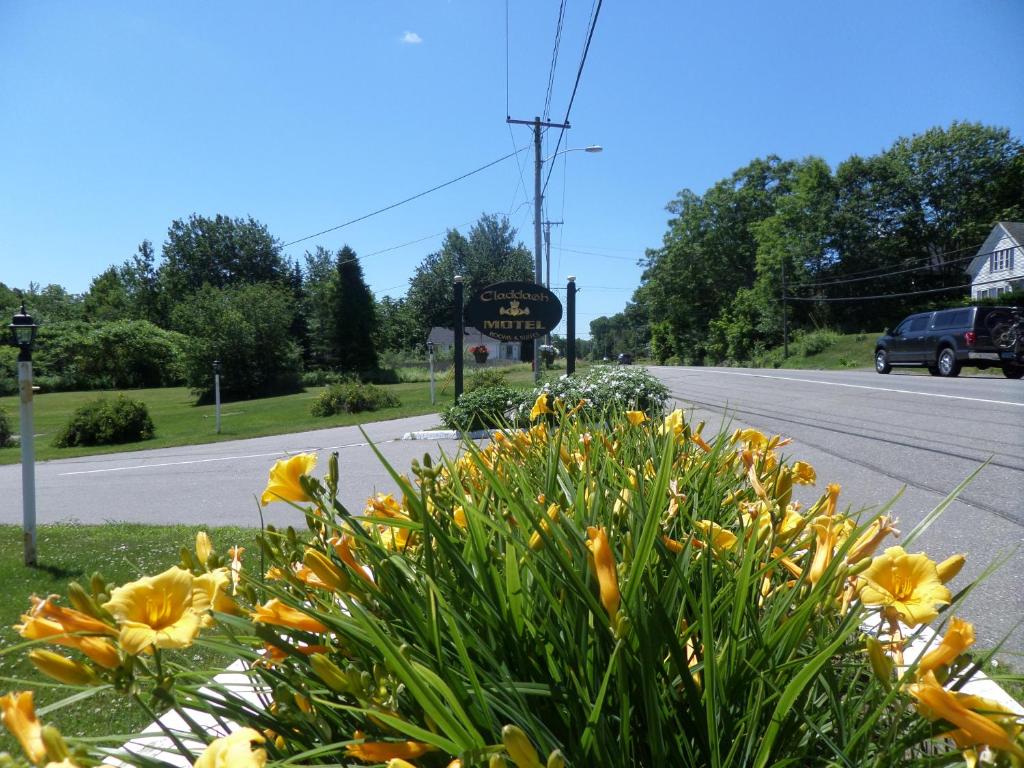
{"points": [[141, 283], [397, 329], [490, 254], [247, 328], [353, 316], [221, 252], [107, 298]]}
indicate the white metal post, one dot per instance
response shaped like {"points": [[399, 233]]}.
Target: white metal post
{"points": [[28, 461], [216, 397]]}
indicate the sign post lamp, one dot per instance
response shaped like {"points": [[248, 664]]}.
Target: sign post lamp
{"points": [[430, 357], [216, 391], [23, 335]]}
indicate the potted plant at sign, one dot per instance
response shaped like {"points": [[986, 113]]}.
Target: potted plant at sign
{"points": [[480, 353]]}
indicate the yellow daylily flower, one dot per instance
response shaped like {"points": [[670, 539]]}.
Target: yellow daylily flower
{"points": [[636, 418], [536, 540], [803, 473], [540, 407], [673, 423], [379, 509], [234, 751], [163, 611], [213, 587], [604, 565], [277, 613], [721, 540], [975, 718], [906, 586], [379, 751], [18, 714], [283, 483], [37, 625], [958, 638]]}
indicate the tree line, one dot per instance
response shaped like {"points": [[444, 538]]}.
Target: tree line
{"points": [[902, 225], [222, 289]]}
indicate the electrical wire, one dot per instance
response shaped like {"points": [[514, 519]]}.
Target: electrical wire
{"points": [[875, 298], [876, 277], [554, 59], [595, 12], [403, 202], [599, 255]]}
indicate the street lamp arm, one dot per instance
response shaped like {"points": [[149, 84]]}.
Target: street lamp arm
{"points": [[593, 148]]}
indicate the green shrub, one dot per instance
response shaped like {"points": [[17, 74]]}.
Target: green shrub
{"points": [[107, 422], [5, 429], [609, 388], [486, 377], [817, 341], [488, 407], [321, 377], [352, 397]]}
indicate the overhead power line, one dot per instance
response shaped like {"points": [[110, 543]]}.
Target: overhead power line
{"points": [[406, 200], [554, 59], [880, 296], [876, 277], [579, 73]]}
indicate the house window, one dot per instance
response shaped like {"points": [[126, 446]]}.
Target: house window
{"points": [[1001, 259], [509, 351]]}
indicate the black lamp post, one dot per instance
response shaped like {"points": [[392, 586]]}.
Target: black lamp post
{"points": [[23, 335]]}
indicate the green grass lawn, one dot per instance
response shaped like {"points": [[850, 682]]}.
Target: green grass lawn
{"points": [[851, 351], [68, 552], [178, 421]]}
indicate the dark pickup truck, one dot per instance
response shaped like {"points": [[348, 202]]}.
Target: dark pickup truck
{"points": [[946, 340]]}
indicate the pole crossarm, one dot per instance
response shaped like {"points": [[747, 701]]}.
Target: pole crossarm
{"points": [[541, 123]]}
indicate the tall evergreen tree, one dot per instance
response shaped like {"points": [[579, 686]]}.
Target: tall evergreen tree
{"points": [[353, 315]]}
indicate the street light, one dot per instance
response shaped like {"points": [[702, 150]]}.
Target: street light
{"points": [[430, 356], [23, 335], [538, 203]]}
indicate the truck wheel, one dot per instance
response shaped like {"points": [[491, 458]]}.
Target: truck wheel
{"points": [[948, 365], [933, 370], [1013, 373], [882, 361]]}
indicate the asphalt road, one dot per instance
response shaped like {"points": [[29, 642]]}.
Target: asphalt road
{"points": [[878, 434], [213, 484]]}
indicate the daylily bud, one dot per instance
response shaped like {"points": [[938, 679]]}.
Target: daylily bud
{"points": [[950, 567], [203, 548], [496, 761], [333, 576], [519, 747], [84, 602], [881, 664], [556, 759], [329, 673], [56, 749], [63, 669]]}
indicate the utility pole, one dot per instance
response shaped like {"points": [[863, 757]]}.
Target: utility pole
{"points": [[547, 258], [538, 201], [785, 330], [547, 247]]}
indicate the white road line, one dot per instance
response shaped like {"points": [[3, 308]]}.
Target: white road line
{"points": [[218, 458], [857, 386]]}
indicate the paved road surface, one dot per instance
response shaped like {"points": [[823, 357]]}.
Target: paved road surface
{"points": [[876, 434], [216, 484]]}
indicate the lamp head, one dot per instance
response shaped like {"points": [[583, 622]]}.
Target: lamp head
{"points": [[594, 148], [23, 332]]}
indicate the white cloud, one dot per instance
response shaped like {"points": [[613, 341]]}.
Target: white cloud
{"points": [[412, 38]]}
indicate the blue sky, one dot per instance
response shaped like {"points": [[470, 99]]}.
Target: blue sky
{"points": [[118, 117]]}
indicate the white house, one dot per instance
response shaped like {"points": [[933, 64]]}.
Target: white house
{"points": [[444, 340], [998, 267]]}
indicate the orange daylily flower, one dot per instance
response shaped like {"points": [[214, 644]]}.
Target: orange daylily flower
{"points": [[958, 638], [604, 565], [18, 714], [379, 751], [277, 613]]}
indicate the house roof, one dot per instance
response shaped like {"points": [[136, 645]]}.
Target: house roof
{"points": [[440, 335], [1014, 229]]}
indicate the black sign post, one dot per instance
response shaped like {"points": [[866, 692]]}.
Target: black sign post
{"points": [[570, 326], [514, 311]]}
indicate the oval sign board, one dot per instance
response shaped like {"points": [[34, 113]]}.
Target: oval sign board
{"points": [[514, 311]]}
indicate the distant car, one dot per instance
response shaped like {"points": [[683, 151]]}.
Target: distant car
{"points": [[949, 339], [625, 358]]}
